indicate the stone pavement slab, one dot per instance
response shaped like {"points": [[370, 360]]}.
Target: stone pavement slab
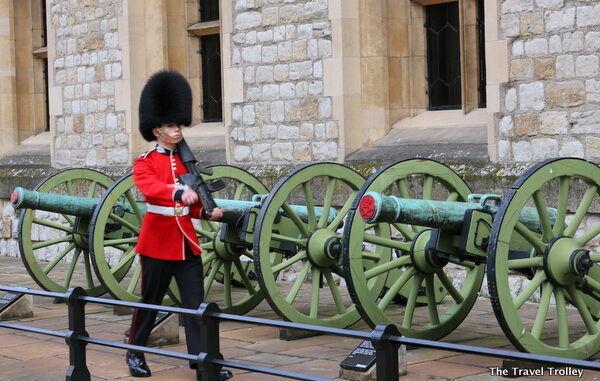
{"points": [[30, 357]]}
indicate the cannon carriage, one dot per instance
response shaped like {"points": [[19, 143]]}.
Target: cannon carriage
{"points": [[409, 246], [525, 239]]}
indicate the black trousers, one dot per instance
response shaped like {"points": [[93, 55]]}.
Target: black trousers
{"points": [[156, 276]]}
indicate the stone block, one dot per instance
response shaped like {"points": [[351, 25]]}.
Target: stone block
{"points": [[572, 42], [531, 96], [302, 152], [571, 148], [521, 152], [592, 41], [565, 66], [588, 16], [586, 66], [553, 123], [536, 47], [247, 20], [521, 69], [592, 147], [563, 19], [544, 148], [532, 23], [544, 68], [21, 308], [261, 153], [526, 124], [565, 94]]}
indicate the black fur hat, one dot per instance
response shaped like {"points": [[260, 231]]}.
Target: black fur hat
{"points": [[166, 98]]}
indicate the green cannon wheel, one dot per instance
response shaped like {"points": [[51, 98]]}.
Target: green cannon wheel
{"points": [[434, 306], [556, 267], [114, 230], [49, 241], [307, 249], [230, 279]]}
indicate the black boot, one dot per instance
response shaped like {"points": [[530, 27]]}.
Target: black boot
{"points": [[224, 374], [137, 364]]}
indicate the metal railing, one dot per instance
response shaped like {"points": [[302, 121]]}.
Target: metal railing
{"points": [[385, 339]]}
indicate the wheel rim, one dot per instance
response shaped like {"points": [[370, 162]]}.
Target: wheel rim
{"points": [[65, 233], [114, 231], [309, 245], [400, 260], [551, 260], [230, 279]]}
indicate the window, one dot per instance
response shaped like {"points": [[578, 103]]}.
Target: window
{"points": [[31, 55], [455, 54], [443, 56], [208, 30]]}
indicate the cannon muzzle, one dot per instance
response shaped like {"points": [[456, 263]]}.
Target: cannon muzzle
{"points": [[446, 215], [72, 205]]}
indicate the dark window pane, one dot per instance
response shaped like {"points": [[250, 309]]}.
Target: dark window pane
{"points": [[211, 78], [45, 74], [481, 53], [443, 56], [209, 10]]}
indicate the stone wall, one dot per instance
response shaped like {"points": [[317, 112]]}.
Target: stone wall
{"points": [[88, 60], [280, 46], [551, 103], [9, 230]]}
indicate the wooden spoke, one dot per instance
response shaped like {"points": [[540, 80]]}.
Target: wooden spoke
{"points": [[53, 225], [327, 202], [310, 205], [335, 292], [540, 206], [298, 283], [387, 266], [58, 258], [290, 261], [528, 290], [531, 237], [542, 313], [561, 210], [582, 209]]}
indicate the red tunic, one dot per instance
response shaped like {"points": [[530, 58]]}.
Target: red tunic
{"points": [[155, 174]]}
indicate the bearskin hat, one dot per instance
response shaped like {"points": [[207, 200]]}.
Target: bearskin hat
{"points": [[166, 98]]}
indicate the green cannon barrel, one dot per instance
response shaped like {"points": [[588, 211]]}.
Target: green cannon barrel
{"points": [[447, 215], [72, 205], [234, 210]]}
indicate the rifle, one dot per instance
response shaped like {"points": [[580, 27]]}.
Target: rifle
{"points": [[194, 180]]}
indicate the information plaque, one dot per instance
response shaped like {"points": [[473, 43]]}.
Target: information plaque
{"points": [[9, 299], [362, 358]]}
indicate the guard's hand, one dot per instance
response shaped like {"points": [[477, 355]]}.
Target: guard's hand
{"points": [[189, 197], [217, 213]]}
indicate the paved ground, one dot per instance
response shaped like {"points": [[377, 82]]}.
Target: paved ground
{"points": [[32, 357]]}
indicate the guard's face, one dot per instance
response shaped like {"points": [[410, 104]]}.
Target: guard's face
{"points": [[168, 133]]}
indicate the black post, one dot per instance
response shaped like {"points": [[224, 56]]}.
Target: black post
{"points": [[77, 370], [386, 352], [209, 343]]}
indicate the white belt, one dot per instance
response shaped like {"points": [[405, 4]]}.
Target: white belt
{"points": [[168, 211]]}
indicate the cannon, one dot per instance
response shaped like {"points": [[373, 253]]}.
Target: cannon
{"points": [[64, 214], [106, 227], [416, 223]]}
